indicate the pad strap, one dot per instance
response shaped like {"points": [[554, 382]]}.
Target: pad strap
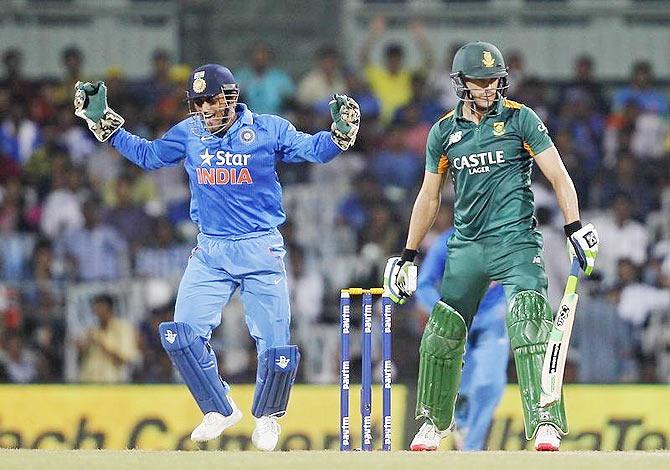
{"points": [[529, 322], [196, 362], [277, 368], [440, 365]]}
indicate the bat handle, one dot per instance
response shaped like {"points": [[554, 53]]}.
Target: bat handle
{"points": [[574, 268]]}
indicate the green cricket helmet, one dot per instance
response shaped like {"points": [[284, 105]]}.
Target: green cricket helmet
{"points": [[478, 60]]}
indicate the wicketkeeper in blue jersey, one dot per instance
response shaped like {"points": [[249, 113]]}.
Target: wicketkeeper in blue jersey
{"points": [[230, 155], [487, 350]]}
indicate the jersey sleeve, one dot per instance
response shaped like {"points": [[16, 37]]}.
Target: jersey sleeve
{"points": [[152, 154], [436, 159], [294, 146], [535, 136]]}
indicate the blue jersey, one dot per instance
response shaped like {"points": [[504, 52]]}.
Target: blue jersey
{"points": [[430, 275], [234, 185]]}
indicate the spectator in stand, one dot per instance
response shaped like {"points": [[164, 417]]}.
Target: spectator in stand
{"points": [[19, 134], [94, 252], [156, 365], [143, 189], [61, 211], [19, 361], [163, 255], [108, 350], [151, 90], [583, 80], [72, 60], [439, 80], [626, 237], [126, 217], [355, 209], [533, 93], [396, 166], [625, 178], [265, 88], [392, 81], [429, 110], [640, 92], [306, 288], [610, 359], [581, 119], [325, 78], [13, 80], [517, 74]]}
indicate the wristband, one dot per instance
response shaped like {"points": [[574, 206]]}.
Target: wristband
{"points": [[572, 227], [408, 255]]}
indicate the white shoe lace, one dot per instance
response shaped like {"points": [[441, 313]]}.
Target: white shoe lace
{"points": [[211, 418], [268, 424]]}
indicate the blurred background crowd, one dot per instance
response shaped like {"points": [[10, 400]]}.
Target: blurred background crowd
{"points": [[93, 247]]}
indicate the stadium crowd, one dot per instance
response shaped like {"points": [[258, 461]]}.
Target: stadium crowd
{"points": [[74, 213]]}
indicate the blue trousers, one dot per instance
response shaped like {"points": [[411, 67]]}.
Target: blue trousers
{"points": [[255, 265], [484, 377]]}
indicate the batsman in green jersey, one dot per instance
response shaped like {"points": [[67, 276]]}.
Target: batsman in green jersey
{"points": [[488, 145]]}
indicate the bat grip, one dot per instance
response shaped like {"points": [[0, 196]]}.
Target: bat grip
{"points": [[574, 268]]}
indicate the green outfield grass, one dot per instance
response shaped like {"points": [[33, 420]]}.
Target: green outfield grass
{"points": [[328, 460]]}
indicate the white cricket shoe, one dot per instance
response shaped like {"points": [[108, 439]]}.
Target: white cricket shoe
{"points": [[547, 438], [428, 437], [213, 424], [266, 434]]}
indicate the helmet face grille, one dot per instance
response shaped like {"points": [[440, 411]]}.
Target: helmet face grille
{"points": [[220, 112], [463, 93]]}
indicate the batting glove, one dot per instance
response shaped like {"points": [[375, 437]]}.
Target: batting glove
{"points": [[400, 277], [90, 104], [583, 243], [346, 120]]}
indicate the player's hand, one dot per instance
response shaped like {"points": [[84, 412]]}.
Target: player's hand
{"points": [[583, 243], [400, 279], [90, 104], [346, 120]]}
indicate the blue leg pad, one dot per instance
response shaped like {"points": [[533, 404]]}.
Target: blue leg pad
{"points": [[277, 368], [196, 362]]}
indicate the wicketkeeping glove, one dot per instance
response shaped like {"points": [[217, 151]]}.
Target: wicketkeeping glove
{"points": [[346, 120], [583, 243], [400, 276], [90, 104]]}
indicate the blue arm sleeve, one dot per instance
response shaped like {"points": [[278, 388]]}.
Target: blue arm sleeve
{"points": [[431, 272], [294, 146], [150, 155]]}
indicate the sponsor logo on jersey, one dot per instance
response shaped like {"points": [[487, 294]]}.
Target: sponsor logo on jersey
{"points": [[477, 163], [498, 128], [221, 168], [455, 137], [541, 127]]}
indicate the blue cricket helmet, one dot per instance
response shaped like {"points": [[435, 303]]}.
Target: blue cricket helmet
{"points": [[210, 80]]}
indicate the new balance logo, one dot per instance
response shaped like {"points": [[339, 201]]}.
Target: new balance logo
{"points": [[537, 260], [170, 336], [282, 362]]}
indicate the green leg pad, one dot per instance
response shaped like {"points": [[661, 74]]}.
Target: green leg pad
{"points": [[440, 365], [529, 323]]}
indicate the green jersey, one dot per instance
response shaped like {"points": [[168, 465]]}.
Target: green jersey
{"points": [[490, 165]]}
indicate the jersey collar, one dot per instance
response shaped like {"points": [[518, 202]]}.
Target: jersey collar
{"points": [[497, 109]]}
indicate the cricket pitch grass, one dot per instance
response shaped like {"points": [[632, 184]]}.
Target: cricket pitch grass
{"points": [[327, 460]]}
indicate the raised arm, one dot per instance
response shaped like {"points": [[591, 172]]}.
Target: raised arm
{"points": [[295, 146], [376, 29], [90, 104], [417, 30]]}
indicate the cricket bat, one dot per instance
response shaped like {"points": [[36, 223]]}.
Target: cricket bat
{"points": [[559, 339]]}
